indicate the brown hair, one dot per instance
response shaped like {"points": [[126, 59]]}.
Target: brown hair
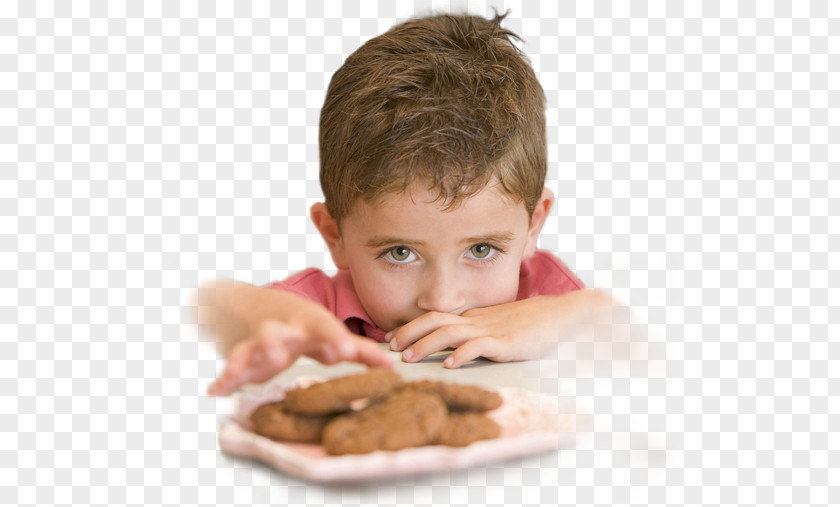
{"points": [[448, 100]]}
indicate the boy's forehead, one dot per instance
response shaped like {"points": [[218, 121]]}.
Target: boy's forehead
{"points": [[426, 193], [420, 208]]}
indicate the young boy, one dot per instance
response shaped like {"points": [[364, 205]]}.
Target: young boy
{"points": [[433, 163]]}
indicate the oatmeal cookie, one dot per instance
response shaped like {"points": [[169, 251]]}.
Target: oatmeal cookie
{"points": [[458, 397], [335, 395], [404, 419], [274, 421], [462, 429]]}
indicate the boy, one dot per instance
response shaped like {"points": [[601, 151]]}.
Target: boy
{"points": [[433, 162]]}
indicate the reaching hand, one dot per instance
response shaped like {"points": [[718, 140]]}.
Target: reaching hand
{"points": [[277, 345]]}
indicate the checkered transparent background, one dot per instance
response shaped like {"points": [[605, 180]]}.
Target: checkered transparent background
{"points": [[146, 147]]}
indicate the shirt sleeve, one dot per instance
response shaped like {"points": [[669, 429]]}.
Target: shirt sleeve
{"points": [[337, 294], [312, 284], [545, 274]]}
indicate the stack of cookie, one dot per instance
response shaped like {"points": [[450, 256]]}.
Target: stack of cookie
{"points": [[377, 410]]}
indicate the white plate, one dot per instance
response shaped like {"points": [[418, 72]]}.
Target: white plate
{"points": [[530, 423]]}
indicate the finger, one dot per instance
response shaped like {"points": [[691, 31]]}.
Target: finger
{"points": [[423, 325], [325, 352], [485, 346], [370, 353], [350, 347], [258, 359], [261, 366], [325, 335], [440, 339], [236, 362], [265, 365], [327, 343]]}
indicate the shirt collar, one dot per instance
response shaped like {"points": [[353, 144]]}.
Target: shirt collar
{"points": [[349, 309]]}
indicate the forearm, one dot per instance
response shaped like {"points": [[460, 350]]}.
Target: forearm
{"points": [[583, 308], [593, 325]]}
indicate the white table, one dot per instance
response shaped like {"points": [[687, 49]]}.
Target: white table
{"points": [[482, 372]]}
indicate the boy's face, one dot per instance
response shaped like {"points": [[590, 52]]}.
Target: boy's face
{"points": [[407, 256]]}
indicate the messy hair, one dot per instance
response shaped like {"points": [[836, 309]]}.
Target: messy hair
{"points": [[447, 100]]}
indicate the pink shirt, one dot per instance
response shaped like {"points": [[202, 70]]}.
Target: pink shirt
{"points": [[541, 274]]}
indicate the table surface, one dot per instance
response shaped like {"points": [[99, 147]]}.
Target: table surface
{"points": [[482, 372]]}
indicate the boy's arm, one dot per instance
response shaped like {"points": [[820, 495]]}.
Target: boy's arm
{"points": [[263, 331], [525, 329]]}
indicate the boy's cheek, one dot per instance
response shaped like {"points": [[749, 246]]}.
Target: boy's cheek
{"points": [[501, 294], [502, 286], [385, 303]]}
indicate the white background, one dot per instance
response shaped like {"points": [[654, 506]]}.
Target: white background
{"points": [[146, 147]]}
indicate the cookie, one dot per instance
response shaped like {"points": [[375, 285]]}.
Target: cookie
{"points": [[274, 421], [458, 397], [335, 395], [404, 419], [460, 430]]}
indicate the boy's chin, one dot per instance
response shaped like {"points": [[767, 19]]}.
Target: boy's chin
{"points": [[396, 324]]}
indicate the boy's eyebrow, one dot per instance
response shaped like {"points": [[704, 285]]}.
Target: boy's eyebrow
{"points": [[493, 237], [380, 241]]}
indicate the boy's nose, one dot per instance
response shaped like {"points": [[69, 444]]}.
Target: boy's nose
{"points": [[442, 293]]}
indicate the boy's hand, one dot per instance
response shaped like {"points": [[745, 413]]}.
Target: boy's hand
{"points": [[262, 331], [277, 345], [525, 329]]}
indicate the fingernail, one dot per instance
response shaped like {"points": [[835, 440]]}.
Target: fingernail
{"points": [[389, 335], [449, 362], [393, 344], [407, 355]]}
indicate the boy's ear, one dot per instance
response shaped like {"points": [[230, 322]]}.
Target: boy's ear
{"points": [[329, 231], [538, 219]]}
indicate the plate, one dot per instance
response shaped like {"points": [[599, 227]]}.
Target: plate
{"points": [[531, 424]]}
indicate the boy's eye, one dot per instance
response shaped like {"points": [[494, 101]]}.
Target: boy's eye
{"points": [[480, 251], [399, 253]]}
